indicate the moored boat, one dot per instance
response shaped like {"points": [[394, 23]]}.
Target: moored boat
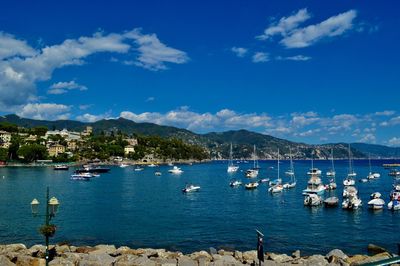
{"points": [[61, 167], [351, 203], [314, 186], [312, 200], [253, 172], [82, 176], [231, 167], [235, 183], [394, 205], [175, 170], [276, 189], [190, 188], [375, 195], [331, 201], [251, 185], [376, 204]]}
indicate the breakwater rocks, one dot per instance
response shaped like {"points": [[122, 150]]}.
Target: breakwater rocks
{"points": [[109, 255]]}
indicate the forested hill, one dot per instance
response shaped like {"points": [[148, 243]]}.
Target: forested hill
{"points": [[218, 142]]}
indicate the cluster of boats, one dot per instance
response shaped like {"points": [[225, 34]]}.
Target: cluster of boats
{"points": [[87, 172]]}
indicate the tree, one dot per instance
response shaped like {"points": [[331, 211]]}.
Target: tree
{"points": [[6, 126], [3, 154], [14, 146], [39, 131], [32, 152]]}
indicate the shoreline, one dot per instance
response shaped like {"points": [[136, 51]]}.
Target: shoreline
{"points": [[63, 254]]}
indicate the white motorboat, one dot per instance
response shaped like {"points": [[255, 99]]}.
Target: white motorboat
{"points": [[157, 173], [314, 171], [152, 165], [82, 176], [252, 185], [394, 173], [375, 195], [252, 173], [170, 164], [314, 186], [190, 188], [175, 170], [63, 167], [351, 203], [276, 189], [349, 191], [264, 180], [231, 167], [123, 165], [394, 205], [312, 200], [332, 184], [235, 183], [138, 168], [376, 204], [292, 182], [331, 201], [376, 175]]}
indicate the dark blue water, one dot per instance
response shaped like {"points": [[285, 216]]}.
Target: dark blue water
{"points": [[140, 209]]}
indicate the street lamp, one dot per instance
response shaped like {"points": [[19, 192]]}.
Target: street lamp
{"points": [[48, 230]]}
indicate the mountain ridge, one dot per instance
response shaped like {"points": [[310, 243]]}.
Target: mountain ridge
{"points": [[218, 142]]}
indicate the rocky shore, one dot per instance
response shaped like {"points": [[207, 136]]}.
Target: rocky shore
{"points": [[66, 255]]}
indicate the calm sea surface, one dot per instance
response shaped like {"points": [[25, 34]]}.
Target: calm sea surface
{"points": [[140, 209]]}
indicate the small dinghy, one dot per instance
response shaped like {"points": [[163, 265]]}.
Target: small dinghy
{"points": [[252, 185], [157, 173], [235, 183], [190, 188], [351, 203], [264, 180], [364, 180], [331, 201], [376, 204], [276, 189]]}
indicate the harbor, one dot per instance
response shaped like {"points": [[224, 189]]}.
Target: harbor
{"points": [[141, 209]]}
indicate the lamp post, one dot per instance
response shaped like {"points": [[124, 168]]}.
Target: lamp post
{"points": [[48, 230]]}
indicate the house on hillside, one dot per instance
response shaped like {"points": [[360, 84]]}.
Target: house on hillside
{"points": [[56, 149], [129, 149], [5, 139]]}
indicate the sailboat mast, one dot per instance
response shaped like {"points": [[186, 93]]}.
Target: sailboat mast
{"points": [[349, 161], [333, 165], [254, 158], [369, 160], [278, 163]]}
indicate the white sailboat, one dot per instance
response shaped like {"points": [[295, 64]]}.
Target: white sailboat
{"points": [[231, 167], [349, 180], [290, 173], [371, 174], [252, 173], [313, 170], [331, 173], [278, 187]]}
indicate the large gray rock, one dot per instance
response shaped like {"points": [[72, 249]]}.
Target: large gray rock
{"points": [[96, 260], [143, 261], [279, 258], [201, 254], [337, 253], [14, 248], [62, 249], [59, 261], [126, 260], [296, 254], [186, 261], [37, 251], [104, 249], [4, 261], [238, 255], [225, 260], [316, 260]]}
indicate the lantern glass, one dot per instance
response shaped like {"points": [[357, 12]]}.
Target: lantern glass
{"points": [[53, 204], [35, 206]]}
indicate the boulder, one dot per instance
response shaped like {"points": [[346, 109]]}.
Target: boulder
{"points": [[186, 261], [200, 254], [375, 258], [62, 249], [59, 261], [280, 258], [125, 260], [374, 249], [296, 254], [337, 253], [238, 255], [96, 259], [104, 249], [249, 256], [14, 248], [355, 259], [24, 260], [4, 261], [121, 251], [316, 260], [85, 249], [37, 251]]}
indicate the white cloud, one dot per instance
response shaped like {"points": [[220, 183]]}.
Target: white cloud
{"points": [[385, 113], [239, 51], [368, 138], [394, 141], [285, 25], [150, 99], [333, 26], [295, 58], [85, 106], [10, 47], [93, 118], [22, 66], [260, 57], [63, 87], [153, 54], [45, 111]]}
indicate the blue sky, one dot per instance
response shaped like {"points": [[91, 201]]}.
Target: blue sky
{"points": [[302, 70]]}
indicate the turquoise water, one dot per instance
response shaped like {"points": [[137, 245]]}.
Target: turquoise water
{"points": [[140, 209]]}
